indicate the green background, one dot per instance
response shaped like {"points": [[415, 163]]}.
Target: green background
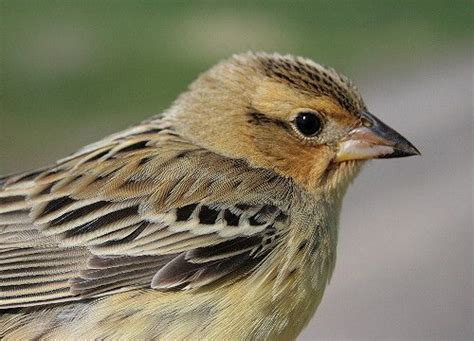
{"points": [[76, 70]]}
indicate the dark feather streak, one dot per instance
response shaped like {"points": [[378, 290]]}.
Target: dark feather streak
{"points": [[130, 237], [260, 119], [102, 221], [12, 199], [231, 218], [184, 213], [134, 147], [78, 213], [55, 205], [227, 247], [207, 216]]}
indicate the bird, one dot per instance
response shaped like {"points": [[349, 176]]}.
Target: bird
{"points": [[214, 220]]}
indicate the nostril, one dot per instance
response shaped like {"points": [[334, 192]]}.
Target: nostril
{"points": [[366, 122]]}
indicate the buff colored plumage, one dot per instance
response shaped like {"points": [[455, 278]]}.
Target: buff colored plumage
{"points": [[215, 220]]}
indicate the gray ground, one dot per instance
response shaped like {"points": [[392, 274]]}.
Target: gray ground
{"points": [[405, 256]]}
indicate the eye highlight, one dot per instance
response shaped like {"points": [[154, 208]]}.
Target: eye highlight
{"points": [[308, 123]]}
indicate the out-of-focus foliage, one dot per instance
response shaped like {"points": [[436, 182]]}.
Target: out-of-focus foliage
{"points": [[71, 70]]}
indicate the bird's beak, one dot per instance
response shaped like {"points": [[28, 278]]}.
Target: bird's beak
{"points": [[373, 140]]}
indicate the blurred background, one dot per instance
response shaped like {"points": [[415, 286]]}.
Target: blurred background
{"points": [[72, 72]]}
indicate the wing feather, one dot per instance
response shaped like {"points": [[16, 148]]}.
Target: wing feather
{"points": [[143, 208]]}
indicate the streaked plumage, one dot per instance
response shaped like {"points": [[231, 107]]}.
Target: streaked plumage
{"points": [[216, 220]]}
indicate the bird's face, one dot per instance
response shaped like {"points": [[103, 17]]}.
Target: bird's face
{"points": [[303, 120]]}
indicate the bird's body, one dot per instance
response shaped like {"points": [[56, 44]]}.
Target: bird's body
{"points": [[216, 220]]}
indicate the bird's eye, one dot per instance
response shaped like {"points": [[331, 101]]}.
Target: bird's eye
{"points": [[308, 123]]}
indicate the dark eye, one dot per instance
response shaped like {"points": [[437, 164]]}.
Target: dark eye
{"points": [[308, 123]]}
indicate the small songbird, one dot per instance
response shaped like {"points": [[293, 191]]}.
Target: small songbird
{"points": [[215, 220]]}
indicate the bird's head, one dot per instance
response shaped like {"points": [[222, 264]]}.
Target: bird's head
{"points": [[289, 114]]}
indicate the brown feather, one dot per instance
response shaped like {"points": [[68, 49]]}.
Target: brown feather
{"points": [[107, 202]]}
